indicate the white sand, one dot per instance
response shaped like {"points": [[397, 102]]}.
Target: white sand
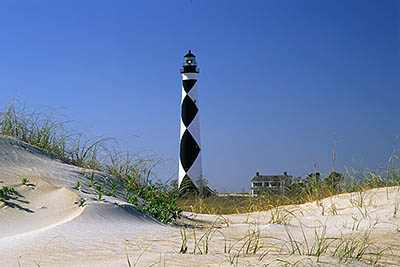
{"points": [[45, 226]]}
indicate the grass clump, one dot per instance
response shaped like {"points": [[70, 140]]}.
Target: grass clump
{"points": [[92, 182], [78, 186], [157, 200], [5, 193], [81, 202], [317, 247], [357, 248], [247, 245], [346, 248], [184, 246], [114, 187], [281, 216], [43, 131], [100, 189]]}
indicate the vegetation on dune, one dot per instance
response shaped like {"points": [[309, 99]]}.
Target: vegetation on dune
{"points": [[354, 240], [5, 193], [268, 249], [161, 200], [25, 181], [298, 191], [158, 201], [43, 131], [132, 170]]}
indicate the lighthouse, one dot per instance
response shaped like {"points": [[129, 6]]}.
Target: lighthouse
{"points": [[190, 168]]}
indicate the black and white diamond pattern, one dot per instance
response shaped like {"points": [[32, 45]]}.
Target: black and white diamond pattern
{"points": [[190, 152], [189, 110], [188, 84]]}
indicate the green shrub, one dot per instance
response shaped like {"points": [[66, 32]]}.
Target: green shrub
{"points": [[5, 192], [158, 201]]}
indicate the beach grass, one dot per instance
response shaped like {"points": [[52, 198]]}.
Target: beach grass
{"points": [[57, 139], [298, 192]]}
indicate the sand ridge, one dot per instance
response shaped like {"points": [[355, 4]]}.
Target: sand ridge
{"points": [[39, 203]]}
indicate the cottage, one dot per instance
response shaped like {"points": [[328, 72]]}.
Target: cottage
{"points": [[273, 182]]}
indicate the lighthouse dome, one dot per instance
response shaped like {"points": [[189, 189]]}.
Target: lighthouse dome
{"points": [[190, 64], [190, 54]]}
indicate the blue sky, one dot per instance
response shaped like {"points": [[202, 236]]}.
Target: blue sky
{"points": [[277, 80]]}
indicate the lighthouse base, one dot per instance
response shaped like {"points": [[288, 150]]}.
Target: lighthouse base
{"points": [[187, 187]]}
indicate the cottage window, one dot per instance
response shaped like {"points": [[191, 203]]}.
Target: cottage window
{"points": [[275, 183], [256, 184]]}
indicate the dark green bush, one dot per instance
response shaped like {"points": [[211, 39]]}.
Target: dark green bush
{"points": [[156, 200]]}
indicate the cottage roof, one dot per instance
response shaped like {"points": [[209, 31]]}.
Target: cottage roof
{"points": [[266, 178]]}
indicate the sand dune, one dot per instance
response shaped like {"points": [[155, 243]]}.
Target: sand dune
{"points": [[33, 203], [43, 224], [46, 210]]}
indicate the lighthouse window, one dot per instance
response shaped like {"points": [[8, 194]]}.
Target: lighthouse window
{"points": [[189, 61]]}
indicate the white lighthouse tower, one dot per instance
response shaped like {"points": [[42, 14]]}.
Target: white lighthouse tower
{"points": [[190, 152]]}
